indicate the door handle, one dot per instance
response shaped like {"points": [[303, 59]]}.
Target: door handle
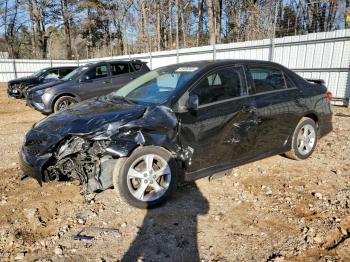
{"points": [[106, 82]]}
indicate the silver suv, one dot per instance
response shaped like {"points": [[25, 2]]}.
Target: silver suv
{"points": [[85, 82]]}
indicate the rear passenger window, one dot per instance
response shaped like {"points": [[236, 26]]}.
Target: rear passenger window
{"points": [[267, 79], [137, 66], [119, 68], [131, 69], [220, 85], [290, 83]]}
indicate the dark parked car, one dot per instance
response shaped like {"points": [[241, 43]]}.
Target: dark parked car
{"points": [[183, 121], [85, 82], [18, 87]]}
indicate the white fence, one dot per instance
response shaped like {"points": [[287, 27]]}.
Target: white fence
{"points": [[320, 55]]}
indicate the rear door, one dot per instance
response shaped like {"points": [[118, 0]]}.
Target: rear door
{"points": [[121, 73], [95, 82], [223, 129], [278, 105]]}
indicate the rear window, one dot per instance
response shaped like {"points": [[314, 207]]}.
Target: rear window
{"points": [[267, 79]]}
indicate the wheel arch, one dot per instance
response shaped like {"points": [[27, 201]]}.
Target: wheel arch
{"points": [[314, 117], [60, 95]]}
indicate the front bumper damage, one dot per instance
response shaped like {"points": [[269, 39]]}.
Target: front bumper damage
{"points": [[32, 166], [91, 157], [15, 90], [74, 158]]}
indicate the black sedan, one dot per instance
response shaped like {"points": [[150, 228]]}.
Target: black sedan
{"points": [[18, 87], [180, 122]]}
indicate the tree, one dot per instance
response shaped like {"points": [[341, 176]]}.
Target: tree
{"points": [[66, 16], [12, 27], [91, 28]]}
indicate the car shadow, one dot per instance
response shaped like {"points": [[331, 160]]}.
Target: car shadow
{"points": [[169, 233]]}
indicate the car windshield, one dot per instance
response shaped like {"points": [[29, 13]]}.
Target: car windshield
{"points": [[40, 72], [76, 72], [156, 86]]}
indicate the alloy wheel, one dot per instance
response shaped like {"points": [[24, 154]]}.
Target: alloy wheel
{"points": [[64, 105], [306, 139], [149, 177]]}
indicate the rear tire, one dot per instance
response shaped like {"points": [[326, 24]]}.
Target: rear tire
{"points": [[147, 178], [304, 140], [63, 102]]}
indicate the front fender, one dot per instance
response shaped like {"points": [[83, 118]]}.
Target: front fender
{"points": [[121, 148]]}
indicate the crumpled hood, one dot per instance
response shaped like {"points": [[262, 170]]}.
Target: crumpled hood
{"points": [[88, 117], [47, 85], [26, 79]]}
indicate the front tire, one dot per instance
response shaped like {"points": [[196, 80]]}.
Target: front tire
{"points": [[304, 140], [63, 102], [147, 178]]}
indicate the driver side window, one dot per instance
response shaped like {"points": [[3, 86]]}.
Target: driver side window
{"points": [[220, 85], [97, 72], [51, 74]]}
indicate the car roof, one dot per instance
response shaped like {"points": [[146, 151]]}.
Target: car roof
{"points": [[208, 64], [116, 60], [60, 67]]}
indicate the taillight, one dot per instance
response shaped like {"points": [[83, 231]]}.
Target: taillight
{"points": [[329, 95]]}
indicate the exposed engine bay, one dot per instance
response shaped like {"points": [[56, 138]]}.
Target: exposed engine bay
{"points": [[84, 160]]}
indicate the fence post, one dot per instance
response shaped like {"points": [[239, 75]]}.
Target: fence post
{"points": [[214, 44], [14, 67], [177, 37], [150, 60], [214, 51], [177, 56], [272, 48]]}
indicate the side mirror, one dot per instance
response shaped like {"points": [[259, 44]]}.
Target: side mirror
{"points": [[193, 103]]}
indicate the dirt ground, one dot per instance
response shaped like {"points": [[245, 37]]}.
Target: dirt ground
{"points": [[271, 210]]}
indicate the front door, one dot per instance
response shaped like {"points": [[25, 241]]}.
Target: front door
{"points": [[223, 129], [95, 82]]}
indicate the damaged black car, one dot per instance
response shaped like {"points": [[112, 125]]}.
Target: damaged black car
{"points": [[179, 123], [19, 87]]}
